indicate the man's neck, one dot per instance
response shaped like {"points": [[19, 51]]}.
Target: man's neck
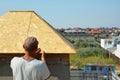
{"points": [[28, 57]]}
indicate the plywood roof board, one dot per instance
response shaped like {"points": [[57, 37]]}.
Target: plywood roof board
{"points": [[15, 26]]}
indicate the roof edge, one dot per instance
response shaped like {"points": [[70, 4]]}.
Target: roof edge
{"points": [[61, 36], [22, 11]]}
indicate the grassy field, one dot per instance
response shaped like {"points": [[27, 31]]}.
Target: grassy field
{"points": [[78, 62], [89, 52]]}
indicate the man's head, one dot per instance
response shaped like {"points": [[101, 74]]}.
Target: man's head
{"points": [[30, 44]]}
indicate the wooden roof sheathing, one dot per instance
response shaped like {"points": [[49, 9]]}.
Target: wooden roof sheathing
{"points": [[15, 26]]}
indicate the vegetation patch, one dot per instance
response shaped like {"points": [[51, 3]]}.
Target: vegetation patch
{"points": [[91, 51], [79, 62], [88, 51]]}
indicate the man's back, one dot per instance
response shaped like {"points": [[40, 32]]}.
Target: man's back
{"points": [[29, 69]]}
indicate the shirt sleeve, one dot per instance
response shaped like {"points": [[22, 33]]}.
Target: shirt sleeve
{"points": [[45, 71], [12, 62]]}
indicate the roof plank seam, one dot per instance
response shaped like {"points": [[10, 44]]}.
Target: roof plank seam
{"points": [[29, 23]]}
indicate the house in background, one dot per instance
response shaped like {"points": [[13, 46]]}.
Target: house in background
{"points": [[112, 45], [107, 43], [93, 31], [117, 51], [95, 72]]}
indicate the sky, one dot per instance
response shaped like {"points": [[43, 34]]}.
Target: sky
{"points": [[70, 13]]}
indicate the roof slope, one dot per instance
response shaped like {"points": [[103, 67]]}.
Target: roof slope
{"points": [[15, 26]]}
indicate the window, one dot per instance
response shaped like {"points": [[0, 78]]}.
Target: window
{"points": [[101, 68], [93, 67], [118, 42], [109, 69], [109, 42], [105, 42]]}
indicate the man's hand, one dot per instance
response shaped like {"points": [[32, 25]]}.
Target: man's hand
{"points": [[43, 56]]}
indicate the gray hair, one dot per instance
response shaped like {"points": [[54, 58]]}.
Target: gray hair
{"points": [[30, 44]]}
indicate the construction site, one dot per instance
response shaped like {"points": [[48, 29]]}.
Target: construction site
{"points": [[15, 26]]}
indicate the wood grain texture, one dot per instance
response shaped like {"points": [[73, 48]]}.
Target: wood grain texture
{"points": [[15, 26]]}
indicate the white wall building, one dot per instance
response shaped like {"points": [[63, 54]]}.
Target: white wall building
{"points": [[112, 45], [117, 52], [107, 43]]}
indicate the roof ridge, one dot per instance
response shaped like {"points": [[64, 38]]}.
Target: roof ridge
{"points": [[22, 11]]}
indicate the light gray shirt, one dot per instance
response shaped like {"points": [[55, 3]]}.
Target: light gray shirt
{"points": [[29, 69]]}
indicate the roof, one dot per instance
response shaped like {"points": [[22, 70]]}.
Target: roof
{"points": [[111, 49], [108, 39], [116, 37], [99, 65], [16, 26]]}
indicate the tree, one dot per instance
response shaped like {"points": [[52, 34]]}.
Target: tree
{"points": [[117, 33]]}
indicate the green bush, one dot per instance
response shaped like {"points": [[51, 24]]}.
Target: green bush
{"points": [[86, 52], [83, 43]]}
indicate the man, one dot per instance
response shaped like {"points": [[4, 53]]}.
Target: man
{"points": [[28, 67]]}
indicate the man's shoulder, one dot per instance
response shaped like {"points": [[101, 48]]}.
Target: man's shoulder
{"points": [[15, 61], [38, 62], [16, 58]]}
